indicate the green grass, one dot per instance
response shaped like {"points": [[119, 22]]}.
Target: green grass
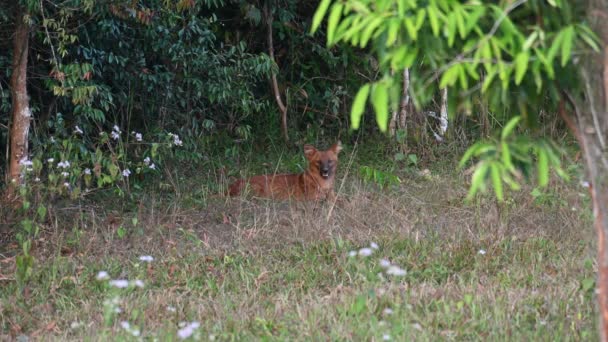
{"points": [[261, 270]]}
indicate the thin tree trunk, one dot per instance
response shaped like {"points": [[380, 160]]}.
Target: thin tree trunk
{"points": [[592, 117], [275, 83], [405, 99], [21, 113]]}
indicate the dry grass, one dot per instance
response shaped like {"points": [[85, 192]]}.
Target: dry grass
{"points": [[257, 269]]}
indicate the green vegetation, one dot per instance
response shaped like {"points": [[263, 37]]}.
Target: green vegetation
{"points": [[253, 269], [123, 124]]}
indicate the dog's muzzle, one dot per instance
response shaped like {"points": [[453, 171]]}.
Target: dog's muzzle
{"points": [[325, 173]]}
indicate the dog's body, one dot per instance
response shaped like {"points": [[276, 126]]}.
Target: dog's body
{"points": [[316, 183]]}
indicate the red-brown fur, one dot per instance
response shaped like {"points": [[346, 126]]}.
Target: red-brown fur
{"points": [[316, 183]]}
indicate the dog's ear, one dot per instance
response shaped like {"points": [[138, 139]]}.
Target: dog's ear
{"points": [[337, 147], [309, 150]]}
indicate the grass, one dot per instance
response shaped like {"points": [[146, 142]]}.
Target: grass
{"points": [[252, 269]]}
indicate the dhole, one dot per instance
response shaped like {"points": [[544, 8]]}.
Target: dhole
{"points": [[316, 183]]}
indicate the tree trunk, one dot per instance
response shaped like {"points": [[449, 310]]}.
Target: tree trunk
{"points": [[405, 99], [592, 117], [21, 113], [275, 84]]}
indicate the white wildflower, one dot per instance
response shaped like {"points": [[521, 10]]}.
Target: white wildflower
{"points": [[176, 140], [147, 161], [585, 184], [171, 308], [138, 283], [75, 325], [65, 174], [77, 130], [115, 135], [187, 330], [417, 326], [386, 337], [146, 258], [133, 331], [116, 129], [37, 179], [87, 171], [63, 164], [26, 162], [387, 311], [120, 283], [365, 252], [385, 263], [102, 275], [152, 166], [352, 253], [50, 160], [396, 271], [374, 245], [66, 184], [126, 173], [138, 136], [482, 252]]}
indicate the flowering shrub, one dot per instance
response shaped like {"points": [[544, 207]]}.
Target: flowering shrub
{"points": [[76, 163]]}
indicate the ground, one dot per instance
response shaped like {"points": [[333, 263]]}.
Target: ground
{"points": [[253, 269]]}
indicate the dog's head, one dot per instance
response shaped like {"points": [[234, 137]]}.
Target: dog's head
{"points": [[323, 163]]}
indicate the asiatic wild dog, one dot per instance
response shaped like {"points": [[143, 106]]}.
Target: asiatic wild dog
{"points": [[316, 183]]}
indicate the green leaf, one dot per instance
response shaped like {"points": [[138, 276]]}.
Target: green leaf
{"points": [[332, 22], [359, 106], [497, 181], [380, 103], [393, 30], [420, 18], [478, 179], [460, 16], [555, 45], [543, 167], [506, 156], [509, 127], [411, 28], [567, 44], [530, 40], [588, 36], [319, 14], [521, 65], [451, 29], [450, 76], [367, 33], [433, 18]]}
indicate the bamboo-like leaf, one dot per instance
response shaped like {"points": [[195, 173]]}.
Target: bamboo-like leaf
{"points": [[588, 36], [359, 106], [478, 179], [411, 28], [380, 103], [543, 167], [567, 44], [433, 12], [393, 31], [497, 181], [555, 46], [450, 76], [319, 14], [509, 127], [420, 16], [530, 40], [521, 65], [332, 22], [367, 32], [506, 156]]}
